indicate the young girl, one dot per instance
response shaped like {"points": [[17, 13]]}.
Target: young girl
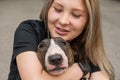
{"points": [[76, 21]]}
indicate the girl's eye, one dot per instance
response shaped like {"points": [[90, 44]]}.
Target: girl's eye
{"points": [[76, 16], [58, 10]]}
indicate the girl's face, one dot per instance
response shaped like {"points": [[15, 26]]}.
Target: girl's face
{"points": [[67, 18]]}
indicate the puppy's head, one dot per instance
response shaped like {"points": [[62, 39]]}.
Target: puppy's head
{"points": [[55, 55]]}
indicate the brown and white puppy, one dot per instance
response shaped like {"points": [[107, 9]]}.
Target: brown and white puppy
{"points": [[55, 55]]}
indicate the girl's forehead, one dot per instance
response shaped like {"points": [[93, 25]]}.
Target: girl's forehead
{"points": [[75, 4]]}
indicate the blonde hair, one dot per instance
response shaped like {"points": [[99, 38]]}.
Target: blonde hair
{"points": [[44, 12], [94, 42], [91, 37]]}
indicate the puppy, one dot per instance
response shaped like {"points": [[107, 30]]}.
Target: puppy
{"points": [[55, 55]]}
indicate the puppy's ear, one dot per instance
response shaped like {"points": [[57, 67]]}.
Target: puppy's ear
{"points": [[42, 49], [40, 56]]}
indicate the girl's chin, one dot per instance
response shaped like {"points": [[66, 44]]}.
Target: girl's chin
{"points": [[59, 36], [65, 37]]}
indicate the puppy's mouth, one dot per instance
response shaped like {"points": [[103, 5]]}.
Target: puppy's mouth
{"points": [[57, 68], [57, 71]]}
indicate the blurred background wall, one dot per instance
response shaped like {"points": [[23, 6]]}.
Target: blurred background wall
{"points": [[13, 12]]}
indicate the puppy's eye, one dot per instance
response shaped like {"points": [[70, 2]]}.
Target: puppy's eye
{"points": [[41, 45], [64, 43]]}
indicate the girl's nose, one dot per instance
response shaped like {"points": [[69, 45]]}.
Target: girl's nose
{"points": [[64, 19]]}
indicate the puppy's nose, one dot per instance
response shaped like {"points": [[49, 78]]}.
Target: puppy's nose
{"points": [[55, 59]]}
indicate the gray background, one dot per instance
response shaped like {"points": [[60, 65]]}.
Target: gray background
{"points": [[12, 12]]}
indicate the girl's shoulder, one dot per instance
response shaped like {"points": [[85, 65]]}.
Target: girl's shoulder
{"points": [[35, 27], [33, 24]]}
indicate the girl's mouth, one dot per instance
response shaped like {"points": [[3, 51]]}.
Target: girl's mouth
{"points": [[61, 31]]}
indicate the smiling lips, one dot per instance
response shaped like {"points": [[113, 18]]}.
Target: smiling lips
{"points": [[61, 31]]}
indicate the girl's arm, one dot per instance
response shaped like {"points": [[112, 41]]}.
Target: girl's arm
{"points": [[100, 75], [31, 69]]}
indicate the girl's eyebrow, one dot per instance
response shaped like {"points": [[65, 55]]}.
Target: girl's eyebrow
{"points": [[56, 3], [81, 10], [74, 9]]}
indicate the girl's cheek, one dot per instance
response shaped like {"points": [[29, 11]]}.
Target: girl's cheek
{"points": [[79, 23], [53, 15]]}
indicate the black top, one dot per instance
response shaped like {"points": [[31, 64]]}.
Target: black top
{"points": [[27, 37]]}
